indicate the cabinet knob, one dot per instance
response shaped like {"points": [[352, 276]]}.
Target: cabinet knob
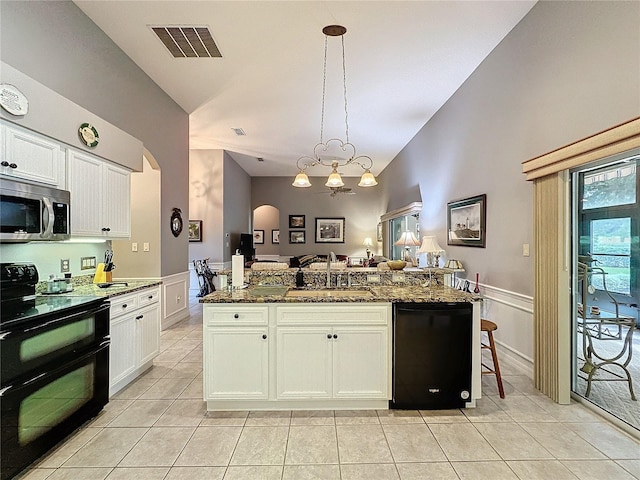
{"points": [[13, 165], [329, 336], [235, 315], [4, 163], [124, 305], [264, 336], [139, 317], [150, 297], [335, 336]]}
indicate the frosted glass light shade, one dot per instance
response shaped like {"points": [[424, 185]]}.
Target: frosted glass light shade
{"points": [[334, 180], [301, 180], [367, 180]]}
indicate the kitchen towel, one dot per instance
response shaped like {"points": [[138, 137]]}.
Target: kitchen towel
{"points": [[237, 270]]}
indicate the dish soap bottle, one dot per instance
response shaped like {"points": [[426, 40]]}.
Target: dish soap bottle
{"points": [[299, 278]]}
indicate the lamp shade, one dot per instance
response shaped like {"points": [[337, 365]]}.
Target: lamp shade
{"points": [[407, 239], [334, 180], [301, 180], [367, 242], [454, 265], [367, 180], [430, 245]]}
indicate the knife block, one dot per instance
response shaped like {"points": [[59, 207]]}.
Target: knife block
{"points": [[101, 276]]}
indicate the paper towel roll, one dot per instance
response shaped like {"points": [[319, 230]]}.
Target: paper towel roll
{"points": [[237, 270]]}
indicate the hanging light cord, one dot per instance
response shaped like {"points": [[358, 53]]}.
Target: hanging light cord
{"points": [[344, 85], [324, 90], [344, 89]]}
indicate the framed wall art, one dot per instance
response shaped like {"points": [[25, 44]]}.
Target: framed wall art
{"points": [[330, 230], [466, 222], [195, 230], [275, 236], [296, 236], [296, 221], [258, 237]]}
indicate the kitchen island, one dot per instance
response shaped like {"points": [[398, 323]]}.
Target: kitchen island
{"points": [[271, 347]]}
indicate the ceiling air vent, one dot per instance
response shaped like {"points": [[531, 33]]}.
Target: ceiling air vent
{"points": [[188, 41]]}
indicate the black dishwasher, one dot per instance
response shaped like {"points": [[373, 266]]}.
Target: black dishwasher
{"points": [[432, 344]]}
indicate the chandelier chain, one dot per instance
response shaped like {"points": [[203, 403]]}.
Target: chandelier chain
{"points": [[344, 86], [324, 90]]}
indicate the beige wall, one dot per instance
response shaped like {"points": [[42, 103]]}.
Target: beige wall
{"points": [[566, 71], [56, 44], [361, 212]]}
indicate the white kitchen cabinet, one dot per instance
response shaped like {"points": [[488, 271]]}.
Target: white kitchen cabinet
{"points": [[238, 363], [297, 356], [345, 358], [100, 197], [29, 156], [135, 336], [304, 362], [236, 352]]}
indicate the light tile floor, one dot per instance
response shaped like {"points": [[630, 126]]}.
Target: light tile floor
{"points": [[158, 429]]}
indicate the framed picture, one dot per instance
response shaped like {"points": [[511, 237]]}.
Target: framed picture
{"points": [[195, 230], [466, 222], [275, 236], [296, 221], [296, 236], [258, 237], [379, 232], [330, 230]]}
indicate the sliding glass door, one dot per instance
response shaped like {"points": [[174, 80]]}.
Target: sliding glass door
{"points": [[606, 285]]}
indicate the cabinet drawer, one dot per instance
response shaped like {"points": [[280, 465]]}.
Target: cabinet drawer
{"points": [[336, 314], [122, 305], [235, 315], [147, 297]]}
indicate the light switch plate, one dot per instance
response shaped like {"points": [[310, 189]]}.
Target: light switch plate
{"points": [[145, 246], [134, 246], [525, 249]]}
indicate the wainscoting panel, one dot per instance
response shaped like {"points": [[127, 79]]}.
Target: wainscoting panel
{"points": [[513, 313], [175, 299]]}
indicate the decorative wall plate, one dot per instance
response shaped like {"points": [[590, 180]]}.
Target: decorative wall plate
{"points": [[88, 135], [13, 100]]}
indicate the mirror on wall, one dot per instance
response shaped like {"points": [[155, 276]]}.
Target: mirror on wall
{"points": [[394, 223]]}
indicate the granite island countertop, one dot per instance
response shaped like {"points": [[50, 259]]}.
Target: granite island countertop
{"points": [[409, 294]]}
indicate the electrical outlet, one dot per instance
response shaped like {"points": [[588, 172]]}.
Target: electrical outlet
{"points": [[525, 249], [64, 265], [145, 246], [134, 246], [373, 278], [397, 277]]}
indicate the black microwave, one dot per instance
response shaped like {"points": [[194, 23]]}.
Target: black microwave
{"points": [[30, 212]]}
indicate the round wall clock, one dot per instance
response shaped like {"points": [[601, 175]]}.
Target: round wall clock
{"points": [[176, 222], [88, 135]]}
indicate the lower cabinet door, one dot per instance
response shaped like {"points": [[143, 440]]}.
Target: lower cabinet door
{"points": [[148, 326], [360, 362], [236, 363], [122, 350], [304, 362]]}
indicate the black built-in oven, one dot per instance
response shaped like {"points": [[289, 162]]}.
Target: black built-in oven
{"points": [[54, 374]]}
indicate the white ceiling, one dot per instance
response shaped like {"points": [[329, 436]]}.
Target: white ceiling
{"points": [[404, 59]]}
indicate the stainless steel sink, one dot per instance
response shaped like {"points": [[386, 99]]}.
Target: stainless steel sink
{"points": [[265, 290], [329, 293]]}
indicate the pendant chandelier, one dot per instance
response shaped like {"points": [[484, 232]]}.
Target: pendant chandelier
{"points": [[322, 152]]}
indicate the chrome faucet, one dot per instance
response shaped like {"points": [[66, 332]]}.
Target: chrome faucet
{"points": [[330, 258]]}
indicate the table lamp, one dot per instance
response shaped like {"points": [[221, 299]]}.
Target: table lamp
{"points": [[432, 249], [407, 240], [368, 243]]}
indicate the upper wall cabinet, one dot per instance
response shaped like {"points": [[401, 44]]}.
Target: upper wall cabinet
{"points": [[32, 157], [100, 197]]}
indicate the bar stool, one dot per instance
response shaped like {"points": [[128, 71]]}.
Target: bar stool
{"points": [[488, 326]]}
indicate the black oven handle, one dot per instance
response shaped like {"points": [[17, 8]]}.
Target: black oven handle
{"points": [[54, 322]]}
